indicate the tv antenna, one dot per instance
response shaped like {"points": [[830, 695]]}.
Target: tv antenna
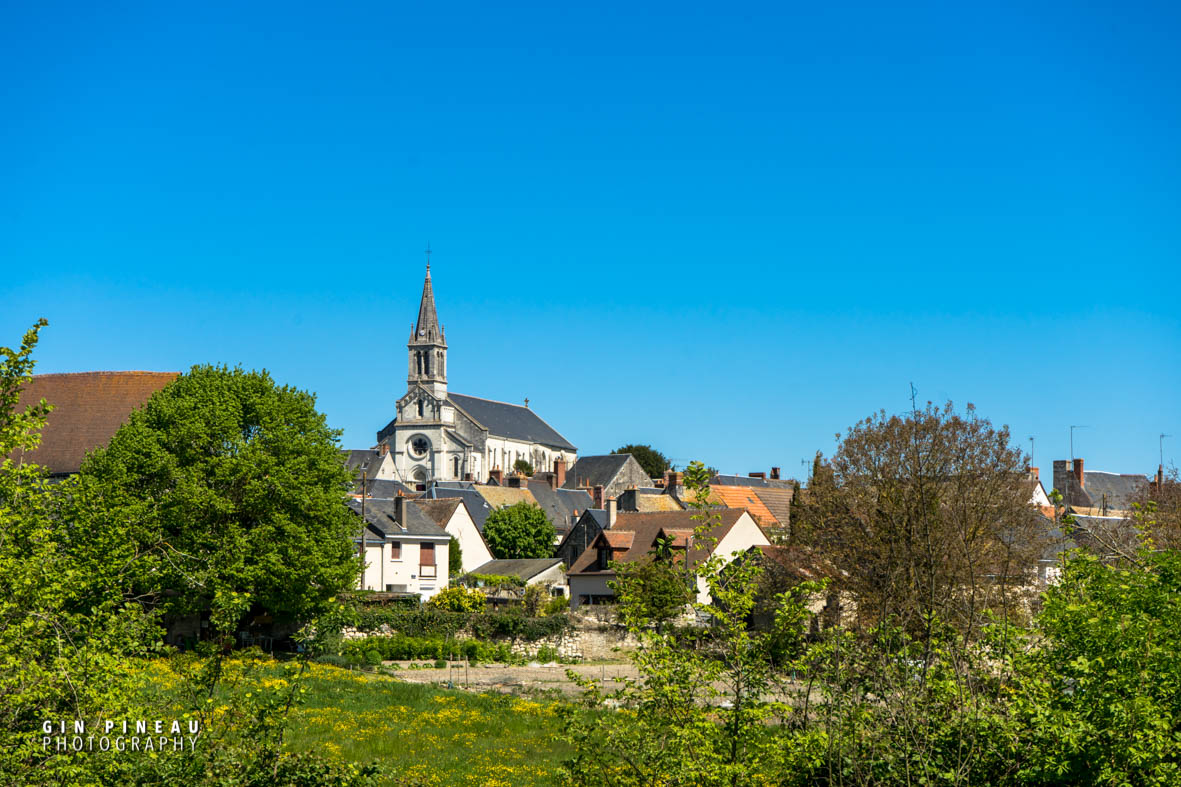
{"points": [[913, 392], [1072, 428], [1031, 439]]}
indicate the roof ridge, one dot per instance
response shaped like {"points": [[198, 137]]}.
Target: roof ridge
{"points": [[104, 371]]}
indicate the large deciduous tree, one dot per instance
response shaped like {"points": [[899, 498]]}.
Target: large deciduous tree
{"points": [[653, 462], [925, 514], [230, 489], [519, 531]]}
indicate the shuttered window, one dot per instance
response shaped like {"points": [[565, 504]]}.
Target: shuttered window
{"points": [[428, 555], [395, 550]]}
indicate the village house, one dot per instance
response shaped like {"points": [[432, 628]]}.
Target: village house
{"points": [[453, 516], [547, 572], [405, 550], [605, 476], [632, 537]]}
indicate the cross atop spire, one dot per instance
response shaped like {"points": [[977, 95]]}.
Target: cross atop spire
{"points": [[428, 259]]}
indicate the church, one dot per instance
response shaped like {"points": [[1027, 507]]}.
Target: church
{"points": [[442, 436]]}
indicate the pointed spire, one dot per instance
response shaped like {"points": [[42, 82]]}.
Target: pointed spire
{"points": [[427, 326]]}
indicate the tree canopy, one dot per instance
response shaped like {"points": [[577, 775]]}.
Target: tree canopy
{"points": [[519, 531], [229, 484], [653, 462]]}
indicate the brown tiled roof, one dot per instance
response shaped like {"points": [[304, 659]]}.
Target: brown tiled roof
{"points": [[646, 527], [500, 496], [619, 539], [89, 407]]}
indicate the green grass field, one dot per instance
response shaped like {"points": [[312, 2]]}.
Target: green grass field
{"points": [[419, 733]]}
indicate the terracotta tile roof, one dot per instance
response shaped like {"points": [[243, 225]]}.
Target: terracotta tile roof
{"points": [[744, 497], [646, 527], [89, 408]]}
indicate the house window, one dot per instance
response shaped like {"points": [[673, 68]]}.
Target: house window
{"points": [[428, 554], [395, 550], [604, 557]]}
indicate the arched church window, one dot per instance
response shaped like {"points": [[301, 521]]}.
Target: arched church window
{"points": [[455, 465], [418, 360], [426, 364]]}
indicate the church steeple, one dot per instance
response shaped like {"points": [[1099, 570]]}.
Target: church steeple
{"points": [[427, 326], [427, 345]]}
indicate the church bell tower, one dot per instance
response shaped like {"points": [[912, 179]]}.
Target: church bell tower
{"points": [[428, 346]]}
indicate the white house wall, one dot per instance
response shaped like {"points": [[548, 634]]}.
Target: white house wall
{"points": [[381, 570], [472, 549]]}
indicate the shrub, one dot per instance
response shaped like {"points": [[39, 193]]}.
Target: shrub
{"points": [[458, 599], [372, 658], [556, 606]]}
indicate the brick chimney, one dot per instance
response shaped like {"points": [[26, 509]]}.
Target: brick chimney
{"points": [[597, 496], [774, 473], [559, 472], [467, 476], [1078, 474], [1033, 473], [514, 481], [1160, 479], [384, 448], [612, 511], [496, 474], [758, 475]]}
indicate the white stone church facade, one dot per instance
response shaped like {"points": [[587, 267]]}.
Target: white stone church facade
{"points": [[442, 436]]}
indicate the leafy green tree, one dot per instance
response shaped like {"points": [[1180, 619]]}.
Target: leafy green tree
{"points": [[65, 635], [652, 589], [523, 467], [519, 531], [653, 462], [454, 559], [1100, 697], [224, 483]]}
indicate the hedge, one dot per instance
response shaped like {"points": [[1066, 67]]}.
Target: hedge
{"points": [[402, 648], [436, 623]]}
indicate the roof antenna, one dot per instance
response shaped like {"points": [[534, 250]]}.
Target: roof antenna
{"points": [[1031, 450]]}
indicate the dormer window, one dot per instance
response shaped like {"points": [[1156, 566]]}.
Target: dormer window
{"points": [[604, 558]]}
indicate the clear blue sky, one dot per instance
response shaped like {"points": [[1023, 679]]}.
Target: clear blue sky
{"points": [[727, 230]]}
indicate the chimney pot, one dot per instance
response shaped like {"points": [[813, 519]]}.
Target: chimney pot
{"points": [[598, 496], [1078, 474], [612, 511], [559, 472], [775, 473], [497, 475]]}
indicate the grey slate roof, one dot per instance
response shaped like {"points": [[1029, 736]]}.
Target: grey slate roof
{"points": [[477, 506], [1119, 489], [559, 504], [525, 569], [595, 470], [510, 420], [386, 489], [381, 516]]}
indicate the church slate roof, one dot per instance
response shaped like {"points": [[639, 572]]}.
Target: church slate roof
{"points": [[510, 420], [89, 407]]}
